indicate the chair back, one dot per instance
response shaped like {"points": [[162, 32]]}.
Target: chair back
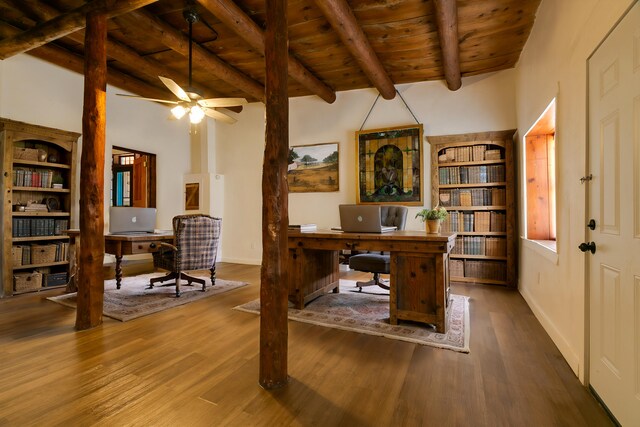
{"points": [[196, 237], [392, 215]]}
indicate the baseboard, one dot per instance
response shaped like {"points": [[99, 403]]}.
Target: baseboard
{"points": [[558, 339]]}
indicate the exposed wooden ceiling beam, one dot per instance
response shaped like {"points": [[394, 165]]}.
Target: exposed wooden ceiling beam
{"points": [[344, 22], [70, 61], [234, 18], [115, 50], [64, 24], [175, 40], [447, 23]]}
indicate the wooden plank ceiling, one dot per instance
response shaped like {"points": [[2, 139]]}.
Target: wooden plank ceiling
{"points": [[334, 45]]}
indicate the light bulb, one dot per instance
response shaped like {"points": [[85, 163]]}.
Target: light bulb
{"points": [[196, 114], [178, 111]]}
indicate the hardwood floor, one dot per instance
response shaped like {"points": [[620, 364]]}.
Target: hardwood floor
{"points": [[197, 365]]}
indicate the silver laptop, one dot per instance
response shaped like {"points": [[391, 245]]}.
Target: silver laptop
{"points": [[362, 219], [126, 220]]}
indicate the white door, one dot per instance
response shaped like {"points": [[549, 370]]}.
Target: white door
{"points": [[614, 204]]}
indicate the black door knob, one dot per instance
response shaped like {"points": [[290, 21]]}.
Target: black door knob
{"points": [[584, 247], [592, 224]]}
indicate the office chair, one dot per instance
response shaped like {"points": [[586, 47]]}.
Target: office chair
{"points": [[195, 248], [377, 262]]}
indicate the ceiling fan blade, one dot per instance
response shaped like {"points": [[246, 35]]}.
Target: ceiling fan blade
{"points": [[175, 88], [147, 99], [219, 115], [222, 102]]}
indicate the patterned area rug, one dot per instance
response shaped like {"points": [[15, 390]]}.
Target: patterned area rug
{"points": [[133, 300], [367, 312]]}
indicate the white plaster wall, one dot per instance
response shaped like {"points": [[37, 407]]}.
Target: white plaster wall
{"points": [[37, 92], [554, 63], [483, 103]]}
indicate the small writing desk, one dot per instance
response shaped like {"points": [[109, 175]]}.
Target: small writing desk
{"points": [[419, 288], [120, 245]]}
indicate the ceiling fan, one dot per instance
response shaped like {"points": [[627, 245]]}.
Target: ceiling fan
{"points": [[190, 101]]}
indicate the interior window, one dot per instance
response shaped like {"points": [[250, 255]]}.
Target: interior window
{"points": [[540, 184]]}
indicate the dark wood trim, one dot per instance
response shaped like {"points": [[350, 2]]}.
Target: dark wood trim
{"points": [[275, 217]]}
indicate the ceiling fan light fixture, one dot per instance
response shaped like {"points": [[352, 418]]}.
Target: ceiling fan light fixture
{"points": [[178, 111], [196, 114]]}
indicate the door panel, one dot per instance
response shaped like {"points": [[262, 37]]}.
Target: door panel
{"points": [[614, 203]]}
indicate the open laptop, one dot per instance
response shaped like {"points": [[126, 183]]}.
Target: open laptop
{"points": [[362, 219], [126, 220]]}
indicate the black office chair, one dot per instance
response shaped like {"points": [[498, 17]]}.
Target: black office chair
{"points": [[377, 262]]}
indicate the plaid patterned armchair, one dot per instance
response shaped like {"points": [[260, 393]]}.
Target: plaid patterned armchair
{"points": [[195, 248]]}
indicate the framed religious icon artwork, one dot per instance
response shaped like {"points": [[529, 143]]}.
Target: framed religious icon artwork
{"points": [[389, 164]]}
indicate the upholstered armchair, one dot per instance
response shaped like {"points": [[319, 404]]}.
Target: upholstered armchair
{"points": [[379, 262], [195, 247]]}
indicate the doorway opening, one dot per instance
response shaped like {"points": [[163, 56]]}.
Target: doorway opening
{"points": [[133, 178]]}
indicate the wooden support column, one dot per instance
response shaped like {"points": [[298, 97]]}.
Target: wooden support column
{"points": [[90, 276], [275, 217]]}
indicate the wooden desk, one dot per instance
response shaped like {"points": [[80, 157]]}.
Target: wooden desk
{"points": [[419, 270], [119, 245]]}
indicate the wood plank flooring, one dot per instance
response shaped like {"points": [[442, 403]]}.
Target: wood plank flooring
{"points": [[197, 365]]}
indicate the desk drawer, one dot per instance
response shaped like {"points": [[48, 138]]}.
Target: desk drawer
{"points": [[145, 247]]}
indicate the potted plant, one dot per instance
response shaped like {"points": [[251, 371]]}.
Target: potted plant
{"points": [[57, 181], [433, 218]]}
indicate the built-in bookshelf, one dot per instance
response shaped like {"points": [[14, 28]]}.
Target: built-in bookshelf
{"points": [[38, 196], [473, 177]]}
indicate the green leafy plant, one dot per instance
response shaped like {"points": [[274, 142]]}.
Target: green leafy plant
{"points": [[436, 213], [57, 179]]}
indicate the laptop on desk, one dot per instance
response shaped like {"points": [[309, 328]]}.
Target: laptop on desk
{"points": [[127, 220], [362, 219]]}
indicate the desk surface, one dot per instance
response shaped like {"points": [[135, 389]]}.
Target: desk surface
{"points": [[132, 237], [392, 235]]}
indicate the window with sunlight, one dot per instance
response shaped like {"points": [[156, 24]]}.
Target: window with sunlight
{"points": [[540, 184]]}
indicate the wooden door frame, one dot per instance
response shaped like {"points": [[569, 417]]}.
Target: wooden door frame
{"points": [[151, 172]]}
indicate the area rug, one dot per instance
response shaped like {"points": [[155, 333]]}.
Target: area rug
{"points": [[367, 312], [133, 300]]}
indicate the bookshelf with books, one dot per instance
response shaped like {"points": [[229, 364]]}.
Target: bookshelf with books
{"points": [[38, 197], [473, 176]]}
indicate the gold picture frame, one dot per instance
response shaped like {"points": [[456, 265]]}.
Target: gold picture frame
{"points": [[389, 165]]}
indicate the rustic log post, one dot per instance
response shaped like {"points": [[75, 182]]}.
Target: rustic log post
{"points": [[90, 276], [275, 217]]}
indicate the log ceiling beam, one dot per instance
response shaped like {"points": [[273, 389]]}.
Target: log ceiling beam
{"points": [[234, 18], [65, 24], [116, 50], [70, 61], [175, 40], [344, 23], [447, 23]]}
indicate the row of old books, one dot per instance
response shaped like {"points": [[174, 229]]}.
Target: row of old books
{"points": [[482, 221], [471, 174], [304, 228], [488, 270], [61, 253], [32, 178], [480, 245], [475, 153], [31, 227], [473, 197]]}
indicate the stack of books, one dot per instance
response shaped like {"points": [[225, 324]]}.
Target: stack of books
{"points": [[303, 227]]}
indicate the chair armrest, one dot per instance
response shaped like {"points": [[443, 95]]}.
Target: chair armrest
{"points": [[168, 245]]}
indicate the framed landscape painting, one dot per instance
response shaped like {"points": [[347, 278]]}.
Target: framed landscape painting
{"points": [[389, 165], [313, 168]]}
